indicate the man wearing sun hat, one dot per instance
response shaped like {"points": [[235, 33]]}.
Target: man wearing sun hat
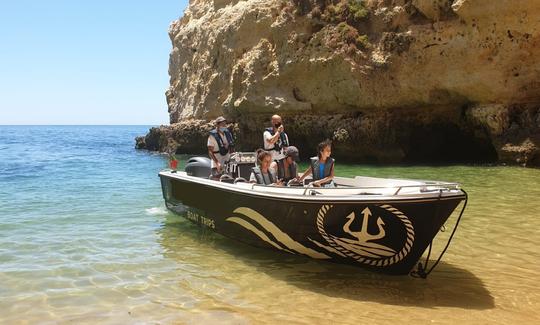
{"points": [[220, 145], [286, 168]]}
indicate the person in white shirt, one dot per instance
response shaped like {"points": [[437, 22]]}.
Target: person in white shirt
{"points": [[220, 145], [275, 139]]}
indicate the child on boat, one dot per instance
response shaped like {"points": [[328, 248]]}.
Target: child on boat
{"points": [[262, 174], [322, 166], [286, 168]]}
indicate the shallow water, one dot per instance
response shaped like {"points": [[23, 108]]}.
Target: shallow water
{"points": [[85, 238]]}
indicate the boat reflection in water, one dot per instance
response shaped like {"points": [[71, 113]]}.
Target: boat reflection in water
{"points": [[384, 225]]}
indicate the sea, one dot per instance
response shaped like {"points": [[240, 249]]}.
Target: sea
{"points": [[85, 238]]}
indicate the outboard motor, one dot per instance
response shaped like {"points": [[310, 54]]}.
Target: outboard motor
{"points": [[198, 167]]}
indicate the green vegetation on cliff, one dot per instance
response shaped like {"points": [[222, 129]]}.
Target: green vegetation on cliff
{"points": [[344, 18], [388, 81]]}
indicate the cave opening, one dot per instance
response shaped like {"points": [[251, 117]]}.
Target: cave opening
{"points": [[447, 143], [534, 160]]}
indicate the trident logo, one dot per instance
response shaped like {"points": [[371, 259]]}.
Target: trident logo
{"points": [[363, 236]]}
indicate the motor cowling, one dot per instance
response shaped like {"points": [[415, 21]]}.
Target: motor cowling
{"points": [[198, 167]]}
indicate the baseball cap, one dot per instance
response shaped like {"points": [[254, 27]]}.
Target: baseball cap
{"points": [[220, 119], [292, 152]]}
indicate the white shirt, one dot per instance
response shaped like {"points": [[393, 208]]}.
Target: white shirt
{"points": [[212, 142], [274, 167], [276, 155]]}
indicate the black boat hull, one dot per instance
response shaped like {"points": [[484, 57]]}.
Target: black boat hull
{"points": [[386, 236]]}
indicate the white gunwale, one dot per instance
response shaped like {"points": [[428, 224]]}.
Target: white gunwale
{"points": [[358, 189]]}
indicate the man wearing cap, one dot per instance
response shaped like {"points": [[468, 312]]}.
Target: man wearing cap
{"points": [[286, 168], [275, 139], [220, 145]]}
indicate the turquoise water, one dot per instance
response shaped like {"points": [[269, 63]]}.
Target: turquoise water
{"points": [[85, 238]]}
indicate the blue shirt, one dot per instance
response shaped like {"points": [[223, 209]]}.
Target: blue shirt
{"points": [[321, 170]]}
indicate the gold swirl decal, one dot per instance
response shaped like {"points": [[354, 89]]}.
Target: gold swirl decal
{"points": [[291, 245], [254, 229], [362, 249]]}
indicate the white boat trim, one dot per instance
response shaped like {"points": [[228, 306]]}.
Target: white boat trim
{"points": [[375, 190]]}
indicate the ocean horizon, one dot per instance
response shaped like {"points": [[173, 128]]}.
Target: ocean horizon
{"points": [[148, 125]]}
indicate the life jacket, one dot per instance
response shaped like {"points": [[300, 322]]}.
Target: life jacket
{"points": [[222, 149], [259, 176], [282, 142], [281, 170], [327, 167]]}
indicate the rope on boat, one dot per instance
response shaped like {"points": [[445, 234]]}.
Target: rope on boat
{"points": [[421, 271]]}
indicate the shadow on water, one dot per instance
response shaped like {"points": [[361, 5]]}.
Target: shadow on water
{"points": [[447, 286]]}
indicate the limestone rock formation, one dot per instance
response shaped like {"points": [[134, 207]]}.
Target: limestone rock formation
{"points": [[388, 80]]}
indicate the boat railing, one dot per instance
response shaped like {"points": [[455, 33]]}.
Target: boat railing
{"points": [[393, 187], [393, 190]]}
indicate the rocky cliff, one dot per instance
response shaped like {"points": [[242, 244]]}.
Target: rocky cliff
{"points": [[387, 80]]}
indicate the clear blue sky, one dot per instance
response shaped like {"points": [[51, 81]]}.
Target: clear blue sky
{"points": [[85, 62]]}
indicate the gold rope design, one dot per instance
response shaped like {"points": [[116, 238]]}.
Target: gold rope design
{"points": [[379, 262]]}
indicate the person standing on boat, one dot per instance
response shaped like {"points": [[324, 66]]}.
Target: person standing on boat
{"points": [[322, 166], [275, 139], [262, 174], [220, 145], [286, 168]]}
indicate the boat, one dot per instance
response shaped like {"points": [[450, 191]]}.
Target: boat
{"points": [[383, 225]]}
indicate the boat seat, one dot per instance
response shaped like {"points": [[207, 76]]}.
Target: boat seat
{"points": [[226, 179], [240, 180]]}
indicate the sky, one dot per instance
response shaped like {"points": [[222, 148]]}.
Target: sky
{"points": [[85, 62]]}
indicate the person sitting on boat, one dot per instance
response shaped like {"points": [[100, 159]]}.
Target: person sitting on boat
{"points": [[286, 168], [275, 139], [322, 166], [262, 174], [220, 145]]}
